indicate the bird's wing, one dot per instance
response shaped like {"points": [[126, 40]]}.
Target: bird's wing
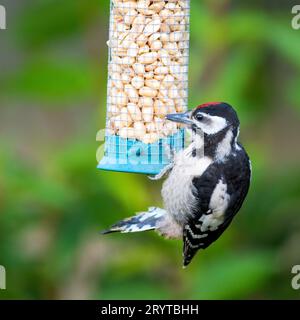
{"points": [[195, 236], [194, 239], [220, 192]]}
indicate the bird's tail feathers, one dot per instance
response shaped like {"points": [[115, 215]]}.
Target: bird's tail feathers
{"points": [[188, 255], [143, 221]]}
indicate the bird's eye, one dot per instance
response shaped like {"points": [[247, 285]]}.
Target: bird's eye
{"points": [[199, 117]]}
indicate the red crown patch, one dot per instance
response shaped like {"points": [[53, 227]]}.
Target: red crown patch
{"points": [[208, 104]]}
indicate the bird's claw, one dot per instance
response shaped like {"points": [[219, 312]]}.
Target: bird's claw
{"points": [[170, 152], [163, 172]]}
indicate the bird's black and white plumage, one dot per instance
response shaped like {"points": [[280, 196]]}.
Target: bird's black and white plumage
{"points": [[206, 184]]}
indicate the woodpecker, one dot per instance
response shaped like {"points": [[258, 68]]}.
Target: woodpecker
{"points": [[206, 183]]}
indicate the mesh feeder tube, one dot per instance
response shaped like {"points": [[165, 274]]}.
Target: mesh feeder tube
{"points": [[147, 79]]}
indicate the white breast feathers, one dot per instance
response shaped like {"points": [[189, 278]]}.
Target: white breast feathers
{"points": [[178, 190]]}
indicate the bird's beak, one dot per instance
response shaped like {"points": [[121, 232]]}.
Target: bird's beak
{"points": [[180, 118]]}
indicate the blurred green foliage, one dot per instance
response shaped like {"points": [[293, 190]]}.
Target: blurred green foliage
{"points": [[53, 202]]}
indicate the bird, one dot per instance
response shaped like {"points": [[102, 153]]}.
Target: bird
{"points": [[206, 182]]}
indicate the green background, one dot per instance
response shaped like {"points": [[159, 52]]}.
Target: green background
{"points": [[53, 202]]}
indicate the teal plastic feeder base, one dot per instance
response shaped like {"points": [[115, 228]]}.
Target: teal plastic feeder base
{"points": [[133, 156], [149, 169]]}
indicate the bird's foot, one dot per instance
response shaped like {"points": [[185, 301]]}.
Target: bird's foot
{"points": [[163, 172]]}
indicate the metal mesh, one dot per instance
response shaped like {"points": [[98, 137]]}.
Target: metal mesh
{"points": [[147, 73]]}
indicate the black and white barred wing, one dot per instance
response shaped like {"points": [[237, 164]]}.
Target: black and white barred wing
{"points": [[195, 237], [221, 191], [210, 216]]}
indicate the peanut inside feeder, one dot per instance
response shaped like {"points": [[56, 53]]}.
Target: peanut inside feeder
{"points": [[147, 75]]}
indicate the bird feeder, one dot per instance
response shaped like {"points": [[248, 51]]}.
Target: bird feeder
{"points": [[147, 79]]}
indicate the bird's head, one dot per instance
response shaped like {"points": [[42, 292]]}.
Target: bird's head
{"points": [[210, 118]]}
